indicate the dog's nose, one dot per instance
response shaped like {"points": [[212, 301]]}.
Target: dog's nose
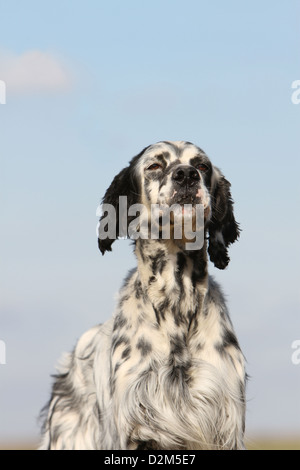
{"points": [[186, 175]]}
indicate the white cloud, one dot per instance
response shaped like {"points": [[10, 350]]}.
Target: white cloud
{"points": [[32, 71]]}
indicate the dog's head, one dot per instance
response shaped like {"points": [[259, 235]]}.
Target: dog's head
{"points": [[174, 173]]}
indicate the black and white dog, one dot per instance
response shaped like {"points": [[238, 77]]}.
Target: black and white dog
{"points": [[166, 372]]}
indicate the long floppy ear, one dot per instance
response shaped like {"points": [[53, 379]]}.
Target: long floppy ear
{"points": [[124, 184], [223, 228]]}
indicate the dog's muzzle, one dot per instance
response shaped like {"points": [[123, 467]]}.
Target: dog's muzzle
{"points": [[186, 182]]}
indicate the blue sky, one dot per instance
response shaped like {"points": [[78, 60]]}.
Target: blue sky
{"points": [[89, 84]]}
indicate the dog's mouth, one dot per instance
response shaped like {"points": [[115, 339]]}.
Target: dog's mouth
{"points": [[184, 214], [186, 210], [188, 196], [187, 202]]}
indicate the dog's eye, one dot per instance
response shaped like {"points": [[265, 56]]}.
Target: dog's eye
{"points": [[202, 167], [154, 166]]}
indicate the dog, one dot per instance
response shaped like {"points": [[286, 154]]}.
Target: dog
{"points": [[166, 372]]}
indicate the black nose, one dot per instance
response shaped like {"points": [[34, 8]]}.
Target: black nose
{"points": [[186, 175]]}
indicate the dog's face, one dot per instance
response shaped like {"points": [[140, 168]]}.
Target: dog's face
{"points": [[179, 173], [175, 173]]}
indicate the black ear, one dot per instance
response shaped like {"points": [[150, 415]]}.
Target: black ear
{"points": [[223, 228], [124, 184]]}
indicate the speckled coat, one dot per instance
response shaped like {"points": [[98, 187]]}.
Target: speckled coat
{"points": [[166, 372]]}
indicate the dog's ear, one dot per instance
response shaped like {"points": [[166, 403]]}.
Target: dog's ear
{"points": [[124, 184], [223, 228]]}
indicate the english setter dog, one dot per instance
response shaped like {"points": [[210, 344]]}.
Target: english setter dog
{"points": [[167, 371]]}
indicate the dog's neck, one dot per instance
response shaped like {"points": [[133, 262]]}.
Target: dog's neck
{"points": [[168, 272]]}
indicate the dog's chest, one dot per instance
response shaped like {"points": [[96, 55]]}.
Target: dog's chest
{"points": [[161, 329], [173, 349]]}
